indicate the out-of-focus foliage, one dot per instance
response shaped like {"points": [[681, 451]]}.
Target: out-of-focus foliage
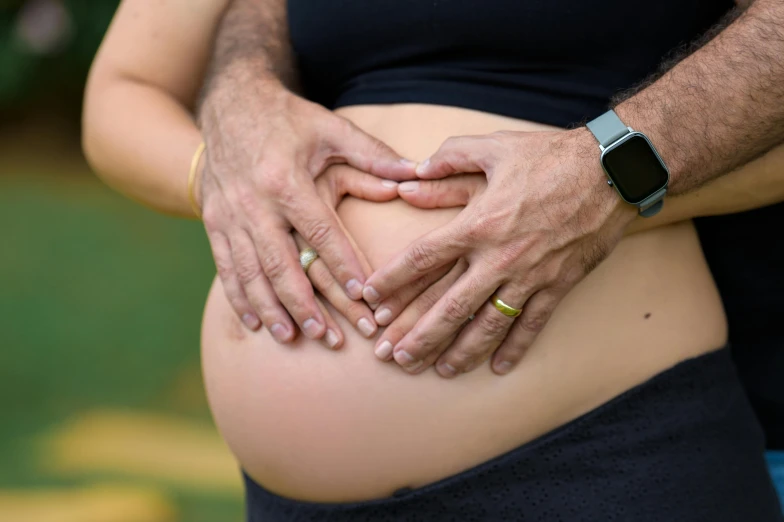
{"points": [[46, 47]]}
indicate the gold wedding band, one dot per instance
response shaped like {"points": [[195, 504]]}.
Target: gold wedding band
{"points": [[509, 311], [307, 257]]}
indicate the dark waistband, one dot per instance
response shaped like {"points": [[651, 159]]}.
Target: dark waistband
{"points": [[680, 444]]}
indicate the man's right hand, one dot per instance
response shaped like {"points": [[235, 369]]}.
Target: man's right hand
{"points": [[264, 150]]}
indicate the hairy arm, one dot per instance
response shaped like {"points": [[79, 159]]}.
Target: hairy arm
{"points": [[252, 48], [723, 105], [265, 148], [138, 130]]}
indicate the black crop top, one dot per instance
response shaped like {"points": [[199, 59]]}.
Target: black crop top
{"points": [[550, 61], [557, 62]]}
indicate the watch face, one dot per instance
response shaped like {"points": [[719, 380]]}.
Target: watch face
{"points": [[635, 168]]}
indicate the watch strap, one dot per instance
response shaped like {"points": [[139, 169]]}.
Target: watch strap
{"points": [[608, 128], [653, 204]]}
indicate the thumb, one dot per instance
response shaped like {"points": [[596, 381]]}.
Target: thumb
{"points": [[369, 154], [454, 191]]}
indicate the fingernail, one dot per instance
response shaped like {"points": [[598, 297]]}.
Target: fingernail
{"points": [[388, 183], [503, 367], [311, 328], [423, 166], [447, 370], [354, 289], [251, 321], [373, 306], [332, 339], [370, 294], [366, 327], [408, 163], [383, 316], [404, 358], [408, 186], [384, 350], [279, 332]]}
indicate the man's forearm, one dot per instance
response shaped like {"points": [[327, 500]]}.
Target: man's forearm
{"points": [[721, 106], [252, 42]]}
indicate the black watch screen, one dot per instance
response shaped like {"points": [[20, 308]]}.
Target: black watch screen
{"points": [[635, 168]]}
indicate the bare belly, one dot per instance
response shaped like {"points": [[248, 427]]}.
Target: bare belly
{"points": [[316, 425]]}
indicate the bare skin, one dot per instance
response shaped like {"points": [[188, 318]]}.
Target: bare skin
{"points": [[339, 426], [589, 217], [258, 183], [548, 218]]}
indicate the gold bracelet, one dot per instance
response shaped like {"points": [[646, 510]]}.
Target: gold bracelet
{"points": [[192, 178]]}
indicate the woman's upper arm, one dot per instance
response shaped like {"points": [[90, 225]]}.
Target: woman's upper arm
{"points": [[163, 43], [757, 184]]}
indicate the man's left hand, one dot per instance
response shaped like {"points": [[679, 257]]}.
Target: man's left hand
{"points": [[545, 220]]}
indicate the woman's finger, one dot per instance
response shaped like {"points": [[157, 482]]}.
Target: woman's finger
{"points": [[482, 336], [221, 251], [403, 324], [258, 289], [535, 315], [334, 338], [319, 226], [454, 191], [357, 312], [351, 182], [327, 189]]}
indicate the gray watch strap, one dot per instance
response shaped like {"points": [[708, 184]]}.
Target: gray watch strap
{"points": [[653, 204], [608, 128]]}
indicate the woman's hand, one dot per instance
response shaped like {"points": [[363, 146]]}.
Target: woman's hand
{"points": [[332, 187], [546, 219], [264, 151]]}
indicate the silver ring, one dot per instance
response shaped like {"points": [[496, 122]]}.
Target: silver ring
{"points": [[307, 257]]}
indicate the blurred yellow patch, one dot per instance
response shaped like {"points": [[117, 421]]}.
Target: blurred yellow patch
{"points": [[95, 504], [185, 393], [187, 454]]}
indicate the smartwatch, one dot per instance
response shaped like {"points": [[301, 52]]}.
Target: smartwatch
{"points": [[632, 164]]}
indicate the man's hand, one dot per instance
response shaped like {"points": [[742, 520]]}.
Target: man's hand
{"points": [[401, 311], [545, 220], [265, 147]]}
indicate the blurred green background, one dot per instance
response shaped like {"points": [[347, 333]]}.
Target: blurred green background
{"points": [[102, 412]]}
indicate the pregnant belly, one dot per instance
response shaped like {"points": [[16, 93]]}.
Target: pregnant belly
{"points": [[323, 426]]}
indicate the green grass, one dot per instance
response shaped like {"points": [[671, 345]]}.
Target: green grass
{"points": [[100, 307]]}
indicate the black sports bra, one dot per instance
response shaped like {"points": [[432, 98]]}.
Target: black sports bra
{"points": [[551, 61]]}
